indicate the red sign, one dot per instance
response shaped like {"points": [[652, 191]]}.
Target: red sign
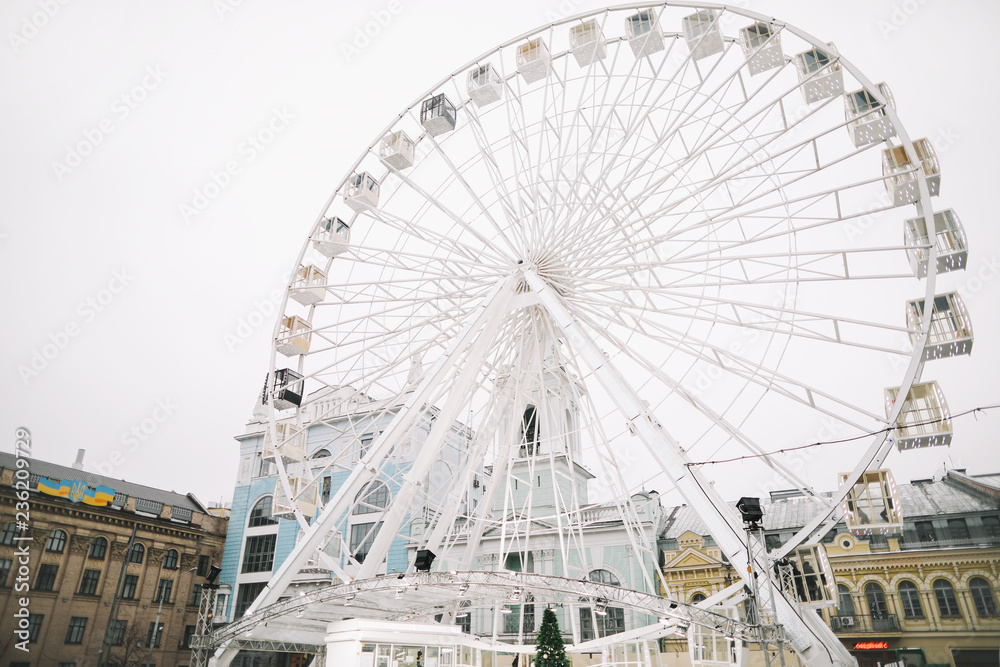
{"points": [[861, 646]]}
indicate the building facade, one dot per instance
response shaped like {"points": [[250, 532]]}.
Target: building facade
{"points": [[926, 597], [88, 562]]}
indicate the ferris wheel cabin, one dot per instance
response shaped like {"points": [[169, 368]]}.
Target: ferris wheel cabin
{"points": [[762, 47], [808, 577], [332, 237], [438, 115], [925, 420], [702, 33], [533, 60], [872, 506], [644, 34], [303, 493], [820, 75], [285, 387], [587, 43], [397, 150], [949, 241], [362, 191], [951, 329], [294, 336], [484, 85], [868, 121], [289, 444], [901, 172], [309, 286]]}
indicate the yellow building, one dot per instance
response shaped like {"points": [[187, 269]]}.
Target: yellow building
{"points": [[926, 597]]}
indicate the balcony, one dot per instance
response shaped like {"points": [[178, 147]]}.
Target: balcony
{"points": [[882, 623]]}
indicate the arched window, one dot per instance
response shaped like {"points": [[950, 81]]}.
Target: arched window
{"points": [[372, 498], [261, 515], [529, 431], [875, 597], [170, 561], [56, 541], [697, 597], [947, 603], [136, 553], [909, 599], [845, 603], [98, 548], [601, 622], [982, 596], [321, 454]]}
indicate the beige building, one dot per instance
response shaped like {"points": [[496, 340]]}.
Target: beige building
{"points": [[926, 597], [80, 580]]}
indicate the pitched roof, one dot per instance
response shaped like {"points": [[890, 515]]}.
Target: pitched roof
{"points": [[54, 471]]}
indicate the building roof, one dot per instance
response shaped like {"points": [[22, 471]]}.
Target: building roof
{"points": [[955, 493], [54, 472]]}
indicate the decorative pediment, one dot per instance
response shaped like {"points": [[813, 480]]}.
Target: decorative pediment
{"points": [[691, 558]]}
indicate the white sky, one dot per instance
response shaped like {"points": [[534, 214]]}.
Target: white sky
{"points": [[168, 94]]}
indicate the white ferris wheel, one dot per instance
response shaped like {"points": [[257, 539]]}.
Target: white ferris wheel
{"points": [[628, 243]]}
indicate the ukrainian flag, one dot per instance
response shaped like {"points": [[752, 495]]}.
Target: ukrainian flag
{"points": [[60, 489], [99, 497]]}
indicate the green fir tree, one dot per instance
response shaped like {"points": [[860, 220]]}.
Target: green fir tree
{"points": [[549, 643]]}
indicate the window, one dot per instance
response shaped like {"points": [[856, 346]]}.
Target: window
{"points": [[991, 525], [46, 580], [982, 596], [362, 536], [947, 604], [875, 597], [697, 597], [326, 489], [611, 622], [845, 603], [56, 542], [373, 498], [958, 529], [163, 590], [364, 445], [258, 556], [321, 454], [130, 586], [260, 515], [88, 585], [170, 560], [137, 553], [464, 618], [5, 565], [8, 534], [195, 600], [98, 548], [203, 564], [772, 542], [155, 635], [34, 626], [514, 621], [188, 634], [77, 626], [117, 632], [909, 599], [529, 431], [925, 531], [245, 596]]}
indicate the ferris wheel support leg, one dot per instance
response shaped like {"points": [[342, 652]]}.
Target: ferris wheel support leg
{"points": [[401, 424], [819, 648]]}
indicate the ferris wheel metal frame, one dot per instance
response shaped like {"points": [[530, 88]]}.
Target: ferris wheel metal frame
{"points": [[522, 265]]}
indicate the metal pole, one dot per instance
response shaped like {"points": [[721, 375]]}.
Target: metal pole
{"points": [[156, 629], [113, 618]]}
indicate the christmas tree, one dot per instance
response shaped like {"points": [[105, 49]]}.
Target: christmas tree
{"points": [[549, 643]]}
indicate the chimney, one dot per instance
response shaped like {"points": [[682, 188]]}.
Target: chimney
{"points": [[78, 464]]}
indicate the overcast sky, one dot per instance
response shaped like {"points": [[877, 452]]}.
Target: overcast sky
{"points": [[138, 276]]}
